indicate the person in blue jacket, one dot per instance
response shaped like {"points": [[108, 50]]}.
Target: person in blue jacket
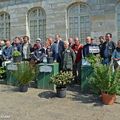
{"points": [[7, 51], [17, 45], [107, 49], [116, 55]]}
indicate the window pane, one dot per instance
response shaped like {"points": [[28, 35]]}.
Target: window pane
{"points": [[118, 20], [37, 24], [79, 21], [4, 26]]}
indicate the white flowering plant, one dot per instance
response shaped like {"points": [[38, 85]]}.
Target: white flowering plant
{"points": [[62, 79]]}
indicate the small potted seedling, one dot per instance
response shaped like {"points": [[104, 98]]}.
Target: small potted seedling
{"points": [[17, 57]]}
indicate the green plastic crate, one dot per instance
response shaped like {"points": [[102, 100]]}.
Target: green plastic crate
{"points": [[86, 73], [11, 80], [43, 78]]}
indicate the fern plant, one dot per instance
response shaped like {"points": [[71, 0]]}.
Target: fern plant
{"points": [[105, 80]]}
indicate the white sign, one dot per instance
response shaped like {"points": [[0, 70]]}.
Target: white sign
{"points": [[5, 63], [94, 49], [45, 68], [85, 62], [118, 62], [12, 67], [0, 52]]}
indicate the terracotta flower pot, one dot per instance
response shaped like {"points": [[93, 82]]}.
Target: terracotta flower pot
{"points": [[108, 99]]}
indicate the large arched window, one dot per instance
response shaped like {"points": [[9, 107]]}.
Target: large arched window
{"points": [[37, 24], [79, 21], [118, 21], [4, 25]]}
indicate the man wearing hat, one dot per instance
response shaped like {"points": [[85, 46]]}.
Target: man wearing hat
{"points": [[38, 42]]}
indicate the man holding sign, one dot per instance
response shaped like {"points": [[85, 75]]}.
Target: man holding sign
{"points": [[90, 48]]}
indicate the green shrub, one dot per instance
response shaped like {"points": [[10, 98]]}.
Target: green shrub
{"points": [[2, 72], [24, 74], [16, 53], [104, 79], [62, 79]]}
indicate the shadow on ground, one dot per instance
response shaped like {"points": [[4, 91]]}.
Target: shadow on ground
{"points": [[47, 94], [86, 97], [10, 89]]}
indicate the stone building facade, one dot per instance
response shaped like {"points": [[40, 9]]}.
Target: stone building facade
{"points": [[69, 18]]}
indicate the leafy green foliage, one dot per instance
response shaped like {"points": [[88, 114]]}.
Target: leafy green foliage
{"points": [[25, 73], [62, 79], [2, 71], [104, 79], [16, 53], [93, 60]]}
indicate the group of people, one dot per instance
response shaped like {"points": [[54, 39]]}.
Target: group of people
{"points": [[68, 54], [109, 50]]}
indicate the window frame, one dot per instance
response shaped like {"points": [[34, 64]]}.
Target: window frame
{"points": [[6, 29], [79, 15], [118, 20], [37, 18]]}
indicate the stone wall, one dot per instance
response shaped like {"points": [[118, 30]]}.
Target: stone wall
{"points": [[103, 16]]}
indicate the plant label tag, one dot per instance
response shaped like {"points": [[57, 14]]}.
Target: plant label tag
{"points": [[85, 63], [12, 67], [45, 68], [5, 63], [118, 62], [68, 51]]}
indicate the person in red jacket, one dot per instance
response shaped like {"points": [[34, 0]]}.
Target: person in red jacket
{"points": [[77, 48]]}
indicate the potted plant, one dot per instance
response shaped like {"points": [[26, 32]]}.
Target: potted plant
{"points": [[24, 74], [61, 80], [2, 75], [105, 81], [2, 72], [17, 57]]}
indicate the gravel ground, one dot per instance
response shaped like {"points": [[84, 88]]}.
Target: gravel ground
{"points": [[39, 104]]}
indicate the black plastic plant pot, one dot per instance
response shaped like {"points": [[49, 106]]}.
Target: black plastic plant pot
{"points": [[23, 88], [61, 92], [17, 59]]}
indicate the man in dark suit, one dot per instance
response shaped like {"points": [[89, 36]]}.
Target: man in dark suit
{"points": [[57, 50]]}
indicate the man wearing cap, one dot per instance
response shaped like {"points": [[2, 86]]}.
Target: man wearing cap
{"points": [[38, 42]]}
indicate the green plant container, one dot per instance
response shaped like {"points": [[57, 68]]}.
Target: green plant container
{"points": [[3, 81], [43, 78], [86, 73], [11, 80]]}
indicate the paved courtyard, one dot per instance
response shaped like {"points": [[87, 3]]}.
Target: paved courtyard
{"points": [[39, 104]]}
